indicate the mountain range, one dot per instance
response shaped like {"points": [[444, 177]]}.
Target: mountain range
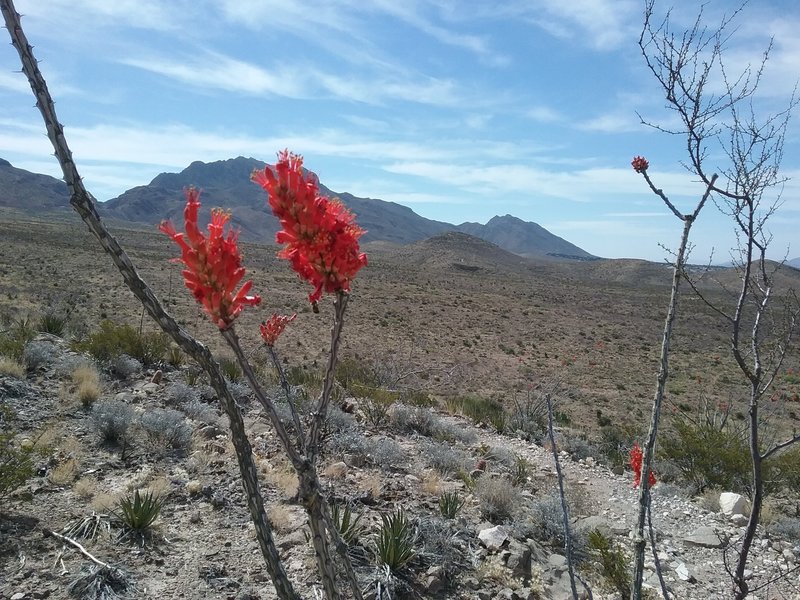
{"points": [[227, 183]]}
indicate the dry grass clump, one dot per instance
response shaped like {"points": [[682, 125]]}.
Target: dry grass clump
{"points": [[280, 517], [282, 479], [86, 381], [64, 473], [11, 368], [432, 483], [85, 488]]}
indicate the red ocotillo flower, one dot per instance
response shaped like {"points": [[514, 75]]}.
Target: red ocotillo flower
{"points": [[272, 328], [640, 164], [636, 464], [213, 264], [320, 235]]}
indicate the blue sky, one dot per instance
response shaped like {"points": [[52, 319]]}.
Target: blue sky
{"points": [[460, 109]]}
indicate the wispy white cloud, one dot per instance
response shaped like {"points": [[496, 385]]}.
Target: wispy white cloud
{"points": [[600, 24], [217, 71], [14, 82], [544, 114]]}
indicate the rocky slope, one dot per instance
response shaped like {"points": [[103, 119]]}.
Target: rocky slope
{"points": [[203, 546]]}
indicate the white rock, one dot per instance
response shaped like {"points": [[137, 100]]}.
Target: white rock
{"points": [[732, 504], [493, 537], [682, 571]]}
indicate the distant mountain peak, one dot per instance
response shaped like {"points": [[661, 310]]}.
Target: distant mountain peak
{"points": [[227, 183], [4, 163]]}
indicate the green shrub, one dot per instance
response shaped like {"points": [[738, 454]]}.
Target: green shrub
{"points": [[15, 337], [709, 456], [612, 563], [52, 323], [481, 410], [230, 368], [347, 523], [113, 340], [137, 513], [16, 465], [376, 410], [351, 372], [396, 541], [450, 504]]}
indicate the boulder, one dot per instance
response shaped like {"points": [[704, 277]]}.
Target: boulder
{"points": [[731, 504]]}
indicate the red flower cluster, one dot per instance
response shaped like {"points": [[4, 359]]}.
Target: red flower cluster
{"points": [[272, 328], [320, 235], [636, 464], [213, 265], [640, 164]]}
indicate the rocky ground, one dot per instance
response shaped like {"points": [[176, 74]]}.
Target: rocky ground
{"points": [[203, 545]]}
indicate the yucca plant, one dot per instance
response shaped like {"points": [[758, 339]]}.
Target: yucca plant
{"points": [[347, 523], [137, 513], [396, 541], [520, 470], [450, 503]]}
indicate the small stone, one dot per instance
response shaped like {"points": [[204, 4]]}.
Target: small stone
{"points": [[739, 520], [157, 377], [18, 596]]}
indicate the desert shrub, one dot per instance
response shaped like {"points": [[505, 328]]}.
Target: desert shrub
{"points": [[124, 366], [166, 429], [442, 457], [137, 513], [450, 504], [611, 563], [417, 398], [352, 372], [520, 471], [347, 523], [197, 411], [376, 411], [482, 410], [615, 444], [15, 337], [38, 354], [396, 542], [498, 499], [53, 323], [499, 455], [112, 420], [230, 368], [240, 391], [175, 356], [441, 543], [708, 456], [302, 376], [547, 523], [386, 454], [528, 416], [16, 464], [782, 471], [577, 446], [785, 528], [11, 368], [86, 380], [451, 432], [338, 420], [112, 340], [179, 394], [348, 441], [414, 419]]}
